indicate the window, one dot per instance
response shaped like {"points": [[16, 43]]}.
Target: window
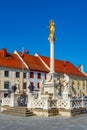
{"points": [[78, 84], [38, 86], [45, 76], [6, 73], [0, 73], [86, 84], [32, 83], [5, 94], [6, 85], [78, 87], [39, 75], [24, 86], [31, 86], [83, 84], [17, 74], [73, 86], [72, 83], [24, 75], [31, 74], [0, 84]]}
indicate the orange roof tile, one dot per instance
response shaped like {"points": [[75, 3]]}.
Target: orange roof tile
{"points": [[59, 67], [10, 60], [34, 63]]}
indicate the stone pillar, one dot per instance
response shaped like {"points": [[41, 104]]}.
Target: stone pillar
{"points": [[51, 55], [66, 95], [83, 104], [12, 98], [30, 100]]}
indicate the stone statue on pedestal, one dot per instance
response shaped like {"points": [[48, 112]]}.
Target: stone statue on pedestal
{"points": [[41, 87], [14, 88], [66, 83], [67, 89], [17, 85]]}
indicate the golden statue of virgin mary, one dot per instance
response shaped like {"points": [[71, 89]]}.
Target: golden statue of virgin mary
{"points": [[52, 29]]}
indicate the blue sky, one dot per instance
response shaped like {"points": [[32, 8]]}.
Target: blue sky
{"points": [[24, 24]]}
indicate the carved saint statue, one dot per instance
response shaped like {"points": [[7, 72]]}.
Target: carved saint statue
{"points": [[41, 86], [52, 29], [66, 81]]}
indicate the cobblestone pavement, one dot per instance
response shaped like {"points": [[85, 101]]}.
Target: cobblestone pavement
{"points": [[9, 122]]}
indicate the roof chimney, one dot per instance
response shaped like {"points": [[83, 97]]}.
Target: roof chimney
{"points": [[4, 52]]}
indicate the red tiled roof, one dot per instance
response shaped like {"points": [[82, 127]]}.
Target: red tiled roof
{"points": [[59, 67], [10, 60], [34, 63]]}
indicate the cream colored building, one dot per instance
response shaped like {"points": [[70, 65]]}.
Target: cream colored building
{"points": [[14, 69], [35, 68], [78, 79], [11, 72]]}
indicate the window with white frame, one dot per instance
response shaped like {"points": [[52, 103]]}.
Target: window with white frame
{"points": [[38, 85], [17, 74], [39, 76], [31, 74], [6, 73], [24, 85], [6, 85], [24, 75]]}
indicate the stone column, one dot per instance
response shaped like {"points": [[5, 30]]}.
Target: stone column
{"points": [[51, 40], [12, 98], [30, 100]]}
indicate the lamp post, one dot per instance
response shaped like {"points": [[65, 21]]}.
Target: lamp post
{"points": [[65, 64], [22, 72]]}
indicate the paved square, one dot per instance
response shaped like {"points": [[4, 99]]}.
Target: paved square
{"points": [[10, 122]]}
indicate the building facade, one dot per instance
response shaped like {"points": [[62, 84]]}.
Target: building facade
{"points": [[25, 68]]}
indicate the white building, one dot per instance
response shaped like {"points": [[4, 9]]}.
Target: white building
{"points": [[11, 72], [14, 68], [35, 68]]}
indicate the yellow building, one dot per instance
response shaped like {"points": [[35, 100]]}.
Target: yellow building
{"points": [[78, 79]]}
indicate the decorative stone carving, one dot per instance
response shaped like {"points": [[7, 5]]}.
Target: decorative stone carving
{"points": [[41, 86], [17, 85], [66, 83], [67, 89]]}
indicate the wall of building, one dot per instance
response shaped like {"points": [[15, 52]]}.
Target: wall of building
{"points": [[12, 78], [79, 83], [35, 80]]}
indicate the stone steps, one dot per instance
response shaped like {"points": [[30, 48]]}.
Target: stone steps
{"points": [[18, 111]]}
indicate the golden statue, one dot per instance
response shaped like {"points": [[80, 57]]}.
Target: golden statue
{"points": [[52, 29]]}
